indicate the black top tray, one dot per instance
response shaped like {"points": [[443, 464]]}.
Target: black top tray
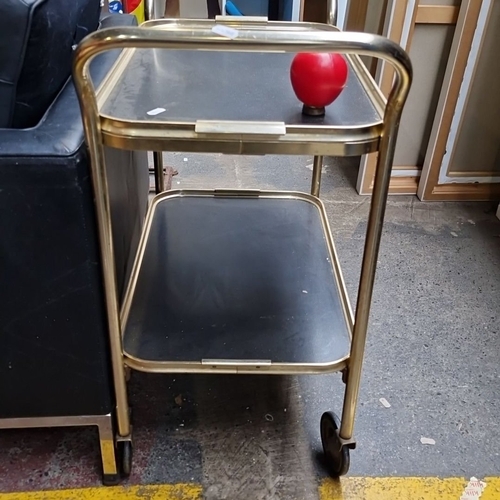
{"points": [[229, 86]]}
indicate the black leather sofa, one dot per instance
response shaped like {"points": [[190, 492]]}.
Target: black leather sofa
{"points": [[54, 361]]}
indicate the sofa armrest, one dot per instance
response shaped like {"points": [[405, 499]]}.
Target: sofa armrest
{"points": [[60, 132]]}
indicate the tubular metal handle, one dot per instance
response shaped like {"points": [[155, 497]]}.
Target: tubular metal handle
{"points": [[152, 9], [149, 10], [331, 12], [248, 40]]}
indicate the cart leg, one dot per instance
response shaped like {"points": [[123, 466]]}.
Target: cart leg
{"points": [[159, 176], [331, 12], [338, 439], [103, 213], [110, 474], [367, 279], [316, 176]]}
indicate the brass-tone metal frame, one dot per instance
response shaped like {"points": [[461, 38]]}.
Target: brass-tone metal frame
{"points": [[332, 11], [236, 366], [104, 423], [260, 38], [316, 175]]}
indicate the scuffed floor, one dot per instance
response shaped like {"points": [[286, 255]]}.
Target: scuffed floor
{"points": [[432, 353]]}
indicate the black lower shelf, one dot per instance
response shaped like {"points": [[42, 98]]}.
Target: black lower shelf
{"points": [[236, 278]]}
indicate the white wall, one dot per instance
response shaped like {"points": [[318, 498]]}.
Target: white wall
{"points": [[342, 11]]}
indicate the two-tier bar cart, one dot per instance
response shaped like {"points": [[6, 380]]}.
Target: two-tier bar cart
{"points": [[231, 280]]}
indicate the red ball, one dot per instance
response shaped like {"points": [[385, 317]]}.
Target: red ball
{"points": [[318, 78]]}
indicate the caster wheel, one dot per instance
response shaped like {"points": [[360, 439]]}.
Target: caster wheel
{"points": [[126, 457], [336, 456], [111, 479]]}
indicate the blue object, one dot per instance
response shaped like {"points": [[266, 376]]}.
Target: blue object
{"points": [[116, 7], [232, 10], [252, 7], [287, 10]]}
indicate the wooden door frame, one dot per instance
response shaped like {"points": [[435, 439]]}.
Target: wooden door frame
{"points": [[401, 18], [356, 15], [443, 133], [398, 26]]}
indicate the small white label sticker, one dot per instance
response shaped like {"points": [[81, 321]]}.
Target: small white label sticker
{"points": [[474, 489], [425, 440], [385, 403], [226, 31], [156, 111]]}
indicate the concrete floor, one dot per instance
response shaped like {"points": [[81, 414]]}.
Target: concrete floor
{"points": [[432, 353]]}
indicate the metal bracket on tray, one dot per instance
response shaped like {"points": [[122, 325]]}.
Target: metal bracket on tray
{"points": [[236, 363], [239, 127], [242, 19], [247, 193]]}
